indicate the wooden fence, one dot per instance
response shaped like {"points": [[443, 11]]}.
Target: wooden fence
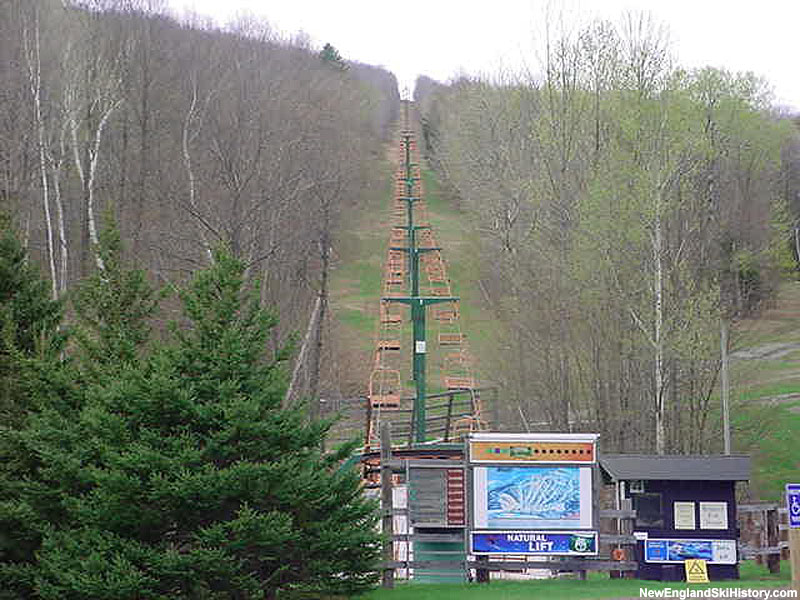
{"points": [[764, 530]]}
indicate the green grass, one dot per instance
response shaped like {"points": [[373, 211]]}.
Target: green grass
{"points": [[772, 439], [356, 278], [597, 586], [768, 430], [765, 429], [460, 250], [358, 320]]}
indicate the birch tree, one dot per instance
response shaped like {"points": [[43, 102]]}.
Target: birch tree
{"points": [[93, 93]]}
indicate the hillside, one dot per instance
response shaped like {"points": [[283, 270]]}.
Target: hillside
{"points": [[190, 136], [766, 349], [765, 388]]}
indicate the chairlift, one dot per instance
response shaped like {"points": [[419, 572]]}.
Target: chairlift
{"points": [[388, 344], [459, 383], [446, 315], [388, 316], [451, 339], [467, 425], [384, 388]]}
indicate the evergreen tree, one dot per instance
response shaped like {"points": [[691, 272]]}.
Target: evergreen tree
{"points": [[29, 321], [30, 372], [330, 56], [114, 309], [183, 477], [44, 459]]}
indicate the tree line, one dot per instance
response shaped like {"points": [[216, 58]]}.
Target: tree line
{"points": [[135, 465], [629, 211], [193, 134]]}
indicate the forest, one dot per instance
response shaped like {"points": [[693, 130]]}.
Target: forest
{"points": [[629, 212], [191, 134]]}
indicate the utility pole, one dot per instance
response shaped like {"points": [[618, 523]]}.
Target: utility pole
{"points": [[726, 391]]}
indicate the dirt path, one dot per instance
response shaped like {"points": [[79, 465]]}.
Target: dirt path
{"points": [[771, 351]]}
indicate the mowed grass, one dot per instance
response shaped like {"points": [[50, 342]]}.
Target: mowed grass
{"points": [[357, 274], [770, 433], [765, 418], [461, 253], [597, 586]]}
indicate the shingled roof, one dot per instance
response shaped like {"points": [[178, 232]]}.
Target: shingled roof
{"points": [[624, 467]]}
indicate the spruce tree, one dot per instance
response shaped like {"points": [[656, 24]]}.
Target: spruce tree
{"points": [[31, 373], [29, 321], [114, 309], [185, 478], [44, 457]]}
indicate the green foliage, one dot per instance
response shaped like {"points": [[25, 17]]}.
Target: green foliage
{"points": [[29, 321], [180, 475], [781, 249], [30, 374], [330, 56], [114, 307], [615, 199]]}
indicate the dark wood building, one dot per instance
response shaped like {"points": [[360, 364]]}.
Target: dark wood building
{"points": [[685, 508]]}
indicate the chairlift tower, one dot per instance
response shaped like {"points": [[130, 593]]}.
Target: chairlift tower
{"points": [[413, 254], [417, 303]]}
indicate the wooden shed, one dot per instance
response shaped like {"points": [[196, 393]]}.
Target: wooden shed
{"points": [[685, 508]]}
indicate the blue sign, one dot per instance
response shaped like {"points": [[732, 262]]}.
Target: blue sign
{"points": [[678, 550], [540, 543], [793, 504]]}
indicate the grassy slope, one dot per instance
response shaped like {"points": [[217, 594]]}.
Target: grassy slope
{"points": [[766, 422], [460, 250], [765, 428], [598, 586], [356, 279], [356, 283]]}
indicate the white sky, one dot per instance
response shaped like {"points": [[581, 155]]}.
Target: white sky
{"points": [[441, 38]]}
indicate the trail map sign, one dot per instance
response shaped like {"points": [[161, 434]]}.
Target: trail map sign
{"points": [[532, 494]]}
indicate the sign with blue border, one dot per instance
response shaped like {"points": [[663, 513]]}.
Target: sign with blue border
{"points": [[722, 552], [535, 543], [793, 504]]}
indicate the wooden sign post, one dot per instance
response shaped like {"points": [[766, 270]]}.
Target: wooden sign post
{"points": [[387, 503], [794, 555], [793, 508]]}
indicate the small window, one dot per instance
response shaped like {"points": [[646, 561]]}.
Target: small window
{"points": [[648, 510]]}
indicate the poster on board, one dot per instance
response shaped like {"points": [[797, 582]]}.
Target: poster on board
{"points": [[527, 497], [713, 515], [679, 550], [683, 515]]}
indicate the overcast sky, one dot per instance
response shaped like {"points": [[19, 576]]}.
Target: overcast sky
{"points": [[442, 38]]}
